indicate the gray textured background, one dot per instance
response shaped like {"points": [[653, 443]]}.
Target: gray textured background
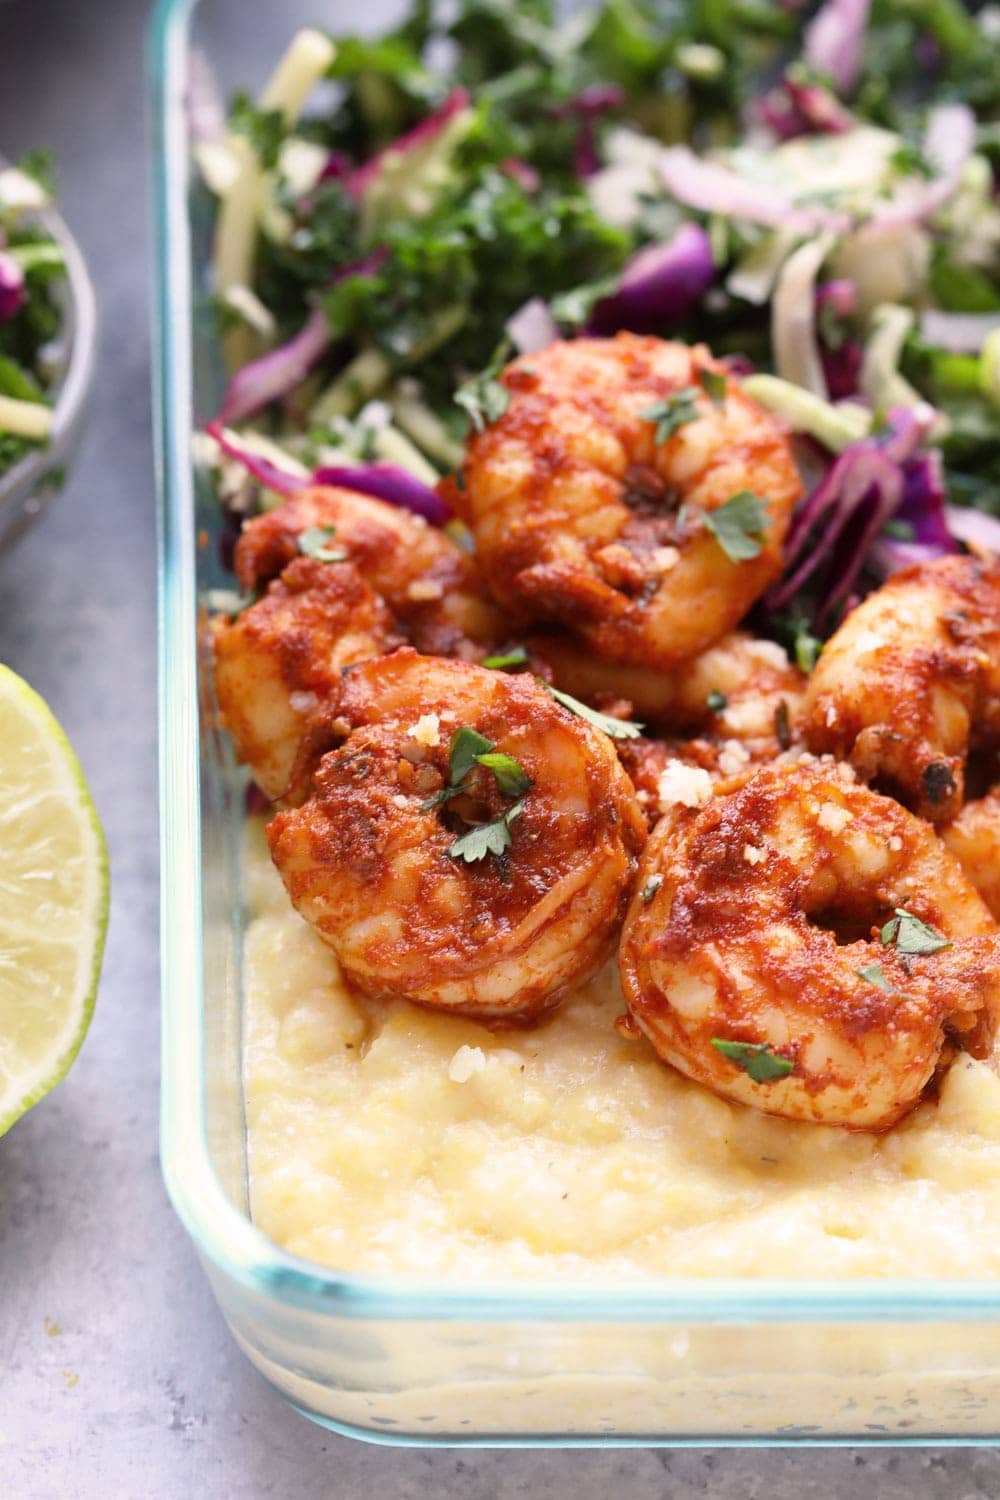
{"points": [[117, 1377]]}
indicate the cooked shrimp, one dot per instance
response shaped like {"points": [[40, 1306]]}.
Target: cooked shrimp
{"points": [[752, 957], [281, 659], [974, 839], [431, 586], [911, 680], [741, 688], [374, 859], [581, 516]]}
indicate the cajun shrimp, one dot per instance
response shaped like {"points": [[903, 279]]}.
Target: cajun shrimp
{"points": [[281, 659], [804, 945], [911, 681], [431, 586], [486, 887], [974, 839], [599, 497]]}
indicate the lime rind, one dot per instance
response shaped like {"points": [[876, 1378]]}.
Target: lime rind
{"points": [[69, 786]]}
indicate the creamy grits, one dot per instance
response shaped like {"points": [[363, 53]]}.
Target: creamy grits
{"points": [[385, 1138]]}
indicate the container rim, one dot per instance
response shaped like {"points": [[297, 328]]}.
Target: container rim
{"points": [[224, 1235]]}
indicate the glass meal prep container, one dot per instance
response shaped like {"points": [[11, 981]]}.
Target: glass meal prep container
{"points": [[666, 1361]]}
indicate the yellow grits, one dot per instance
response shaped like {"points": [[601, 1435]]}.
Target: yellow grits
{"points": [[389, 1139]]}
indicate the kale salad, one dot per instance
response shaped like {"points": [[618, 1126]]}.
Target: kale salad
{"points": [[811, 190]]}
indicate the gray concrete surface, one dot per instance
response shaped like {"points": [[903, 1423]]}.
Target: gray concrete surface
{"points": [[117, 1377]]}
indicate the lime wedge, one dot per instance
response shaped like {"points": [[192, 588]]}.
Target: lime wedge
{"points": [[53, 900]]}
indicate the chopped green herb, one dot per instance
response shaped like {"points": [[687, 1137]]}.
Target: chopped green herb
{"points": [[505, 661], [313, 542], [807, 650], [874, 974], [469, 748], [618, 729], [511, 777], [485, 400], [909, 161], [909, 935], [716, 702], [900, 531], [265, 129], [757, 1060], [676, 411], [464, 750], [572, 309], [713, 383], [651, 887], [487, 838], [739, 526]]}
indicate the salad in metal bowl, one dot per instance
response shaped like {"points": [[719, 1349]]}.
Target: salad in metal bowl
{"points": [[48, 332]]}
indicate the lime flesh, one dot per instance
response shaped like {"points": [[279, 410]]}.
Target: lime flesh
{"points": [[53, 900]]}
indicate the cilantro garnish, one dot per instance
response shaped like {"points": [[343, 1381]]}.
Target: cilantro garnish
{"points": [[487, 838], [713, 383], [485, 400], [618, 729], [807, 648], [675, 412], [468, 749], [573, 308], [909, 935], [313, 542], [510, 775], [874, 974], [739, 526], [716, 702], [505, 661], [483, 397], [650, 889], [756, 1059], [900, 531]]}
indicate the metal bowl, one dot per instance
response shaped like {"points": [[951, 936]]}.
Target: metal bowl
{"points": [[35, 480]]}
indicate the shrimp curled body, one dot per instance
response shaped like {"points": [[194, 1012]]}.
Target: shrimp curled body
{"points": [[366, 859], [431, 586], [758, 920], [583, 517], [911, 681], [281, 659]]}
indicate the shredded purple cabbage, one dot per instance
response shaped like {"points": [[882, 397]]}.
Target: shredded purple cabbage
{"points": [[712, 188], [835, 40], [836, 527], [279, 371], [532, 327], [13, 289], [390, 483], [358, 181], [587, 107], [262, 469], [801, 106], [659, 286], [979, 531], [523, 173]]}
